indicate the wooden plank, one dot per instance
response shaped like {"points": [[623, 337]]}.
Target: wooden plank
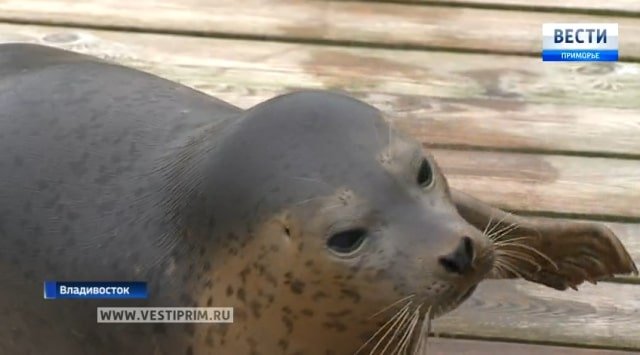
{"points": [[483, 102], [444, 346], [542, 183], [601, 315], [627, 7], [513, 125], [393, 25]]}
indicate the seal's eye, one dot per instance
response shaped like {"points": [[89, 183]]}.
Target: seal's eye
{"points": [[348, 241], [425, 174]]}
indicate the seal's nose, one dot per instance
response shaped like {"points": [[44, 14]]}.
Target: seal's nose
{"points": [[459, 261]]}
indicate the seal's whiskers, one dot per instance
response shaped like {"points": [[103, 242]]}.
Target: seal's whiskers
{"points": [[486, 228], [491, 230], [391, 305], [414, 322], [404, 339], [403, 342], [506, 265], [399, 321], [498, 235], [518, 256], [513, 243], [397, 315], [510, 241], [405, 320], [424, 334]]}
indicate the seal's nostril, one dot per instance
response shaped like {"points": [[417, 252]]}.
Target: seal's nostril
{"points": [[468, 247], [460, 260], [449, 264]]}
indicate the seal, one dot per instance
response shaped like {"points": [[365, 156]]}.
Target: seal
{"points": [[328, 231]]}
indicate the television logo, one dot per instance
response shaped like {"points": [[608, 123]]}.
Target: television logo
{"points": [[580, 42]]}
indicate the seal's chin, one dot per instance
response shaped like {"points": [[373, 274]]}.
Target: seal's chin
{"points": [[453, 301], [419, 339], [467, 294]]}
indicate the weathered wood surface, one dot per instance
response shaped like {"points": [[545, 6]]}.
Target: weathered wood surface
{"points": [[626, 7], [448, 99], [444, 346], [528, 182], [394, 25], [594, 315], [545, 183]]}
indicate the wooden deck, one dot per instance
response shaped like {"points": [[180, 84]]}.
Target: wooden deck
{"points": [[462, 76]]}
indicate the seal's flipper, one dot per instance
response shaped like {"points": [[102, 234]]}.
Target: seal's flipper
{"points": [[555, 253]]}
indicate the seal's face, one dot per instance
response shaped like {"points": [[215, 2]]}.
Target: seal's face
{"points": [[353, 219]]}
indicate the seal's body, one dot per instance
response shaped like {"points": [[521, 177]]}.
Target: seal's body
{"points": [[89, 190], [327, 231]]}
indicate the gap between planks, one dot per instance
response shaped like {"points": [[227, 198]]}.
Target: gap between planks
{"points": [[447, 346], [590, 7]]}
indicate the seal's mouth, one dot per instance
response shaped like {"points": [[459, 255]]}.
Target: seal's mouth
{"points": [[419, 339], [467, 293], [452, 300]]}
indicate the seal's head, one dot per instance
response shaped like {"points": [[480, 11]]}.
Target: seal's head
{"points": [[333, 217]]}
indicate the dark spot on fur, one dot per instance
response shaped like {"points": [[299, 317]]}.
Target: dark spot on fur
{"points": [[308, 263], [288, 323], [334, 324], [189, 350], [307, 312], [354, 295], [240, 294], [283, 344], [255, 308], [229, 290], [209, 301], [244, 273], [297, 287], [319, 295], [339, 314]]}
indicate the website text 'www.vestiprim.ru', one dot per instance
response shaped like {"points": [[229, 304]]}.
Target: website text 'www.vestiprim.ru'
{"points": [[165, 315]]}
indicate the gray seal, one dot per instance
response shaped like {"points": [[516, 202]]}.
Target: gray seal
{"points": [[325, 229]]}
